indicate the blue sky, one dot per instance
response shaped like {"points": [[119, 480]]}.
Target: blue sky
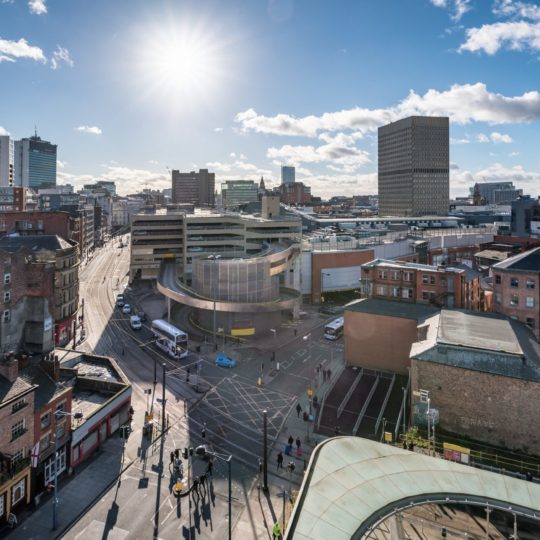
{"points": [[129, 88]]}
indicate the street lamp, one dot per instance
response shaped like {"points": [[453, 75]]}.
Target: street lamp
{"points": [[214, 258], [57, 415]]}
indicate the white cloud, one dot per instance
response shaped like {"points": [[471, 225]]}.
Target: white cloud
{"points": [[61, 164], [513, 154], [3, 131], [517, 36], [239, 168], [457, 8], [11, 50], [153, 162], [482, 138], [61, 56], [497, 137], [462, 103], [93, 130], [37, 7], [510, 8], [218, 129], [339, 150]]}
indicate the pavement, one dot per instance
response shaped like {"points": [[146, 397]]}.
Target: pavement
{"points": [[89, 483]]}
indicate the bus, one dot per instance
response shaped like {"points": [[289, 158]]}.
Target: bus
{"points": [[170, 339], [334, 329]]}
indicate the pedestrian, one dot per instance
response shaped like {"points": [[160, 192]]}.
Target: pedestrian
{"points": [[298, 442], [280, 461], [187, 374], [329, 374], [210, 467], [295, 332], [276, 531], [298, 410], [172, 456], [290, 440]]}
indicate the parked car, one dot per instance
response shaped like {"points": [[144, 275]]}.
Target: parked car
{"points": [[126, 310], [120, 300], [224, 360], [142, 315], [135, 322]]}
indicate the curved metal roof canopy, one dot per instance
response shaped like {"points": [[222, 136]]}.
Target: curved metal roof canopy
{"points": [[352, 484]]}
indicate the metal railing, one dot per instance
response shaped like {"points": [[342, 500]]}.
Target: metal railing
{"points": [[349, 393], [365, 406], [385, 402], [331, 383]]}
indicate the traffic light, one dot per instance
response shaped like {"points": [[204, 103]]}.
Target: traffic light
{"points": [[176, 453], [124, 432], [203, 432]]}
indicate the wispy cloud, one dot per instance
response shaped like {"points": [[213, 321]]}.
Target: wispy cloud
{"points": [[37, 7], [10, 51], [218, 129], [462, 103], [61, 56], [3, 131], [497, 137], [456, 8], [511, 8], [494, 137], [93, 130]]}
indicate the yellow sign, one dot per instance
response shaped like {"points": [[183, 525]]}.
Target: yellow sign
{"points": [[148, 417], [388, 436], [456, 448], [309, 392], [242, 331]]}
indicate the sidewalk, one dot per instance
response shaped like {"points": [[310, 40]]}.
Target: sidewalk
{"points": [[78, 492]]}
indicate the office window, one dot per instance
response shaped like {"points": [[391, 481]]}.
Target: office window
{"points": [[425, 278], [529, 301], [381, 290], [514, 300], [45, 421], [530, 284], [7, 278], [514, 282], [498, 279]]}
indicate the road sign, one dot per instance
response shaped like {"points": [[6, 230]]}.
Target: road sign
{"points": [[310, 392]]}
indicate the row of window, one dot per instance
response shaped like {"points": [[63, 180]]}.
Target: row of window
{"points": [[395, 292], [514, 282], [514, 300], [395, 275]]}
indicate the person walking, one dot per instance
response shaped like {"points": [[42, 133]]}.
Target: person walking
{"points": [[280, 460], [210, 467], [298, 447], [298, 409]]}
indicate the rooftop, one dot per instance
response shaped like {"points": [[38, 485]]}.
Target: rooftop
{"points": [[390, 263], [34, 243], [528, 261], [492, 254], [10, 390], [389, 308], [353, 483]]}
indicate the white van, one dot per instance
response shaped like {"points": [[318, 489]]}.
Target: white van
{"points": [[135, 322]]}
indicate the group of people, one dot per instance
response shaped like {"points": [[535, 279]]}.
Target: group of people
{"points": [[289, 450]]}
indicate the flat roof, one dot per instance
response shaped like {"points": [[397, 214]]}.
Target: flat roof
{"points": [[87, 402], [478, 331], [389, 308], [352, 484]]}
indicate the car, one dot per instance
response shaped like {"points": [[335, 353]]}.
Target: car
{"points": [[126, 310], [142, 315], [135, 322], [224, 360], [203, 451], [120, 300]]}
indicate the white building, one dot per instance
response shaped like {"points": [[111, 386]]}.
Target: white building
{"points": [[7, 161]]}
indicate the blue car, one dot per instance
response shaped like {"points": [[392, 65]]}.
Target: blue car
{"points": [[223, 360]]}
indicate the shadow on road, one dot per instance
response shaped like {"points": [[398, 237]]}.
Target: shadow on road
{"points": [[160, 469]]}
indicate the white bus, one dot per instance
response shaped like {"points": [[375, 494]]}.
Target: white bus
{"points": [[170, 339], [334, 329]]}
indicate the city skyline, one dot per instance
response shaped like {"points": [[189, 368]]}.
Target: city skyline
{"points": [[244, 88]]}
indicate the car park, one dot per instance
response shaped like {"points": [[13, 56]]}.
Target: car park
{"points": [[224, 360], [126, 310]]}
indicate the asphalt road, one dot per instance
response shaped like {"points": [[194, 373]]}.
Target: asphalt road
{"points": [[229, 411]]}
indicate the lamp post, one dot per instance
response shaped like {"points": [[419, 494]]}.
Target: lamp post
{"points": [[57, 415], [214, 258]]}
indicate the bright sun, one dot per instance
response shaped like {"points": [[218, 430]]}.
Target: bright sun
{"points": [[180, 66]]}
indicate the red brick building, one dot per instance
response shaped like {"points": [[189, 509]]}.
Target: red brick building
{"points": [[413, 283], [295, 193], [516, 289]]}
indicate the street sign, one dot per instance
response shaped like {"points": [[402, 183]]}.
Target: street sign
{"points": [[310, 392]]}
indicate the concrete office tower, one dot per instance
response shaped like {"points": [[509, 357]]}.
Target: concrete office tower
{"points": [[7, 161], [35, 163], [288, 175], [414, 167], [195, 188]]}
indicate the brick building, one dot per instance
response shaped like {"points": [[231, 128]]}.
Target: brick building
{"points": [[295, 193], [482, 372], [414, 283], [16, 437], [32, 305], [516, 289]]}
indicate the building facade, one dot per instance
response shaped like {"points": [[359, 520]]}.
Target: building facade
{"points": [[414, 167], [295, 193], [288, 174], [35, 163], [235, 193], [516, 289], [495, 192], [7, 161], [195, 188], [525, 216]]}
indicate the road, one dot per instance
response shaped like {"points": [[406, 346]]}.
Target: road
{"points": [[229, 411]]}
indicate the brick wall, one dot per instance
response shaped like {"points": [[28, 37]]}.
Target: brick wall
{"points": [[497, 410], [378, 342]]}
